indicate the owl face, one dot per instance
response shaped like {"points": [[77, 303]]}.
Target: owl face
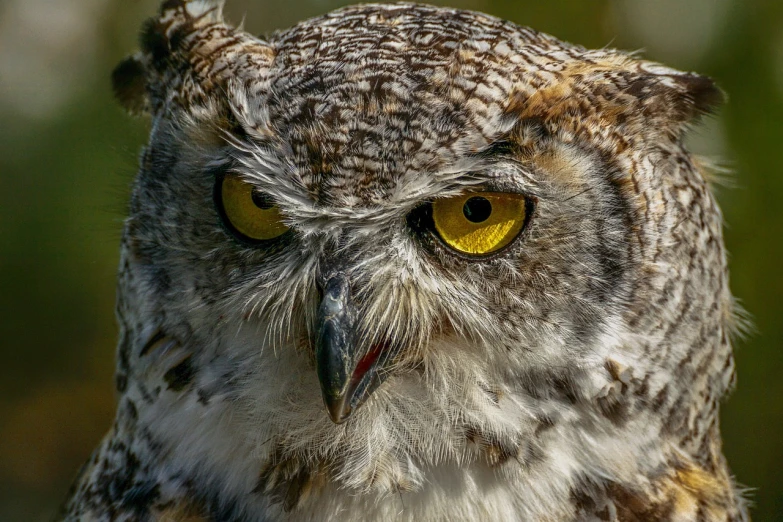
{"points": [[515, 250], [363, 201], [434, 225]]}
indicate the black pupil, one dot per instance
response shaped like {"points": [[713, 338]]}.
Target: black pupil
{"points": [[477, 209], [262, 200]]}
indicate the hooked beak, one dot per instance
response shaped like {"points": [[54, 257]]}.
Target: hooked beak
{"points": [[348, 373]]}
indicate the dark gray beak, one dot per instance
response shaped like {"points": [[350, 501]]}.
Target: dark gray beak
{"points": [[348, 373]]}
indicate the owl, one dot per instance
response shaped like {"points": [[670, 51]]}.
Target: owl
{"points": [[402, 262]]}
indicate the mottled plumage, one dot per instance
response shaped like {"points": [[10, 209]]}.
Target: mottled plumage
{"points": [[575, 374]]}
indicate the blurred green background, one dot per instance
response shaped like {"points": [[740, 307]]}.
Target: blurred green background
{"points": [[68, 156]]}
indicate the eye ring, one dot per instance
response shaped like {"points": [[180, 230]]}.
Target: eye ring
{"points": [[248, 214], [476, 225]]}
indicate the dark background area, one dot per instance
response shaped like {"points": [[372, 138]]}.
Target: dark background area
{"points": [[68, 156]]}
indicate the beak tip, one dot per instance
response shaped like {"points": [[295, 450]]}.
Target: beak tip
{"points": [[339, 421], [338, 411]]}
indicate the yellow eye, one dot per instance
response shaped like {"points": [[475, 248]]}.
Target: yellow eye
{"points": [[246, 211], [479, 223]]}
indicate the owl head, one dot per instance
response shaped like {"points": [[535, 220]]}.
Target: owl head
{"points": [[460, 236]]}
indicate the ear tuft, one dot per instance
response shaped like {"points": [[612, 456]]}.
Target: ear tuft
{"points": [[188, 54], [153, 42], [701, 93], [129, 81], [689, 95]]}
